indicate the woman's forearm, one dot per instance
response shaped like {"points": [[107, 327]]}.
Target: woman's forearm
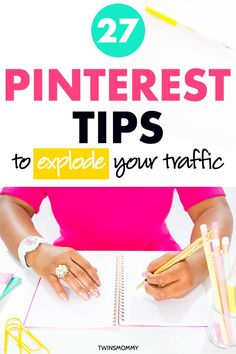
{"points": [[181, 278], [219, 213], [15, 222]]}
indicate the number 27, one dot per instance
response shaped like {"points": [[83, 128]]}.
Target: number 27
{"points": [[108, 36]]}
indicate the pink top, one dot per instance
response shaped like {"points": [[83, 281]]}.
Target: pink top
{"points": [[113, 218]]}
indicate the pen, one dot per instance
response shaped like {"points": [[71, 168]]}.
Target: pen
{"points": [[187, 252]]}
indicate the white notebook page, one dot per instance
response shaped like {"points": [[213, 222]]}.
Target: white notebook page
{"points": [[47, 310], [141, 309]]}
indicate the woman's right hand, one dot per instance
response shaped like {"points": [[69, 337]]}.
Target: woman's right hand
{"points": [[82, 276]]}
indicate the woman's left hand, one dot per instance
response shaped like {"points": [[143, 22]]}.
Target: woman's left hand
{"points": [[175, 282]]}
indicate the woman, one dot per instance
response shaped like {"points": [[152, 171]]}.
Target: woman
{"points": [[103, 218]]}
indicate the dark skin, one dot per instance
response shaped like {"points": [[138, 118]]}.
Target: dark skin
{"points": [[177, 281], [183, 277]]}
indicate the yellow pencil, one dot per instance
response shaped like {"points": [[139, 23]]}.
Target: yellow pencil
{"points": [[187, 252], [214, 282]]}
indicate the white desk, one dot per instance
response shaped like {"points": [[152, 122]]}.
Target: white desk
{"points": [[150, 340]]}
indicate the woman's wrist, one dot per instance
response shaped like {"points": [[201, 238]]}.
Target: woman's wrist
{"points": [[32, 256], [198, 266]]}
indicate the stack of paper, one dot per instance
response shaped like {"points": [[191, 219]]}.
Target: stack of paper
{"points": [[8, 281]]}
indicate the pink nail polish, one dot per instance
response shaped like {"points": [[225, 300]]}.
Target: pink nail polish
{"points": [[63, 297], [96, 293], [86, 296]]}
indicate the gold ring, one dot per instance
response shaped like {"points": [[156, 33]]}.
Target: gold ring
{"points": [[61, 271]]}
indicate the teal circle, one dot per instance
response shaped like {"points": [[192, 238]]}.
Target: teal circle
{"points": [[118, 30]]}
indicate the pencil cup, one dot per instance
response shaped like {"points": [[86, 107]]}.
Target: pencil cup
{"points": [[221, 330]]}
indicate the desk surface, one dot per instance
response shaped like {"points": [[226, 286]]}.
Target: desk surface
{"points": [[149, 340]]}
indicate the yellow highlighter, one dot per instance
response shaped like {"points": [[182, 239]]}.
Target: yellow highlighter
{"points": [[171, 21], [165, 18]]}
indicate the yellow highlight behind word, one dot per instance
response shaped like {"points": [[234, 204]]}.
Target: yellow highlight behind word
{"points": [[60, 163]]}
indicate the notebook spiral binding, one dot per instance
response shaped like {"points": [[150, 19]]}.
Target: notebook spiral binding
{"points": [[122, 289], [119, 312], [116, 291]]}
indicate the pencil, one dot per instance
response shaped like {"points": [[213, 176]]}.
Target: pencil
{"points": [[225, 249], [233, 271], [187, 252], [222, 286], [213, 280]]}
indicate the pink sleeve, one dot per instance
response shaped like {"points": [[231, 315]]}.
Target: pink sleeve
{"points": [[31, 195], [190, 196]]}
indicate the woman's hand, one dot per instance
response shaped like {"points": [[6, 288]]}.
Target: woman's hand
{"points": [[82, 276], [178, 280]]}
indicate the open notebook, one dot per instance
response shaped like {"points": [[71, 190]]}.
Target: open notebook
{"points": [[120, 303]]}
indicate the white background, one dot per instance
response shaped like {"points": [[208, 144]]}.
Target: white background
{"points": [[56, 34], [212, 18]]}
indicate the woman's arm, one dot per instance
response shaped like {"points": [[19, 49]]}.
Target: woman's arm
{"points": [[180, 279], [16, 224], [207, 212]]}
